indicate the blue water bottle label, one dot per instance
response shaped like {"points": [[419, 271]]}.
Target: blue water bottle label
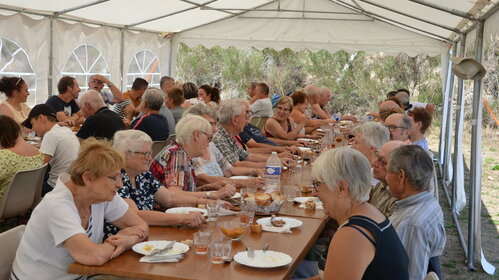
{"points": [[335, 117], [274, 170], [369, 118]]}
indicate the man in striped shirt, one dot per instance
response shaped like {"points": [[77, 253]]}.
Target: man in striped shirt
{"points": [[418, 218]]}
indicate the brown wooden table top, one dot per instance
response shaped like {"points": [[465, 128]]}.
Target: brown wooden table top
{"points": [[293, 210], [193, 266]]}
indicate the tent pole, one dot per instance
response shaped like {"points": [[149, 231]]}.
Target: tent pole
{"points": [[446, 174], [51, 55], [459, 128], [122, 57], [474, 230], [445, 9], [445, 112]]}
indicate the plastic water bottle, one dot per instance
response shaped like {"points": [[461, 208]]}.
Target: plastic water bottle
{"points": [[367, 118], [273, 173], [336, 117]]}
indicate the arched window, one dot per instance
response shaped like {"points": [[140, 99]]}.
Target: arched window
{"points": [[144, 64], [14, 62], [85, 61]]}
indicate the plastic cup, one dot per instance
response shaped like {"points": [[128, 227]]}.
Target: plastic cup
{"points": [[212, 207]]}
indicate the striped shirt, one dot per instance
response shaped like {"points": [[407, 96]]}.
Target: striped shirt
{"points": [[419, 223], [381, 198]]}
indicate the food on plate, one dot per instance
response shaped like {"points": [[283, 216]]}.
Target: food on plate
{"points": [[148, 247], [310, 204], [256, 228], [277, 222], [188, 242]]}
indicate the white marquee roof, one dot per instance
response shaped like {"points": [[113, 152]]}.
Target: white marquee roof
{"points": [[373, 25]]}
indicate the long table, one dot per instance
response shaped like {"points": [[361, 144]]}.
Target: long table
{"points": [[193, 266]]}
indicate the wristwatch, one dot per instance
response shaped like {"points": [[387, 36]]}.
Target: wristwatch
{"points": [[208, 194]]}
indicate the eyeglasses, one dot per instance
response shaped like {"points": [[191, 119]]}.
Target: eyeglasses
{"points": [[116, 179], [380, 159], [283, 109], [247, 115], [145, 154], [393, 127], [208, 136], [315, 185]]}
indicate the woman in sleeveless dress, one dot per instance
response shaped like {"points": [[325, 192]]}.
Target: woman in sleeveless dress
{"points": [[16, 90], [366, 245]]}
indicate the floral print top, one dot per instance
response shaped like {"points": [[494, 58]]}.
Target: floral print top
{"points": [[11, 163]]}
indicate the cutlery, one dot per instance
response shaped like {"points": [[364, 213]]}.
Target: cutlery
{"points": [[157, 251], [265, 247]]}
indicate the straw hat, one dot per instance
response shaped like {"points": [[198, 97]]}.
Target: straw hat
{"points": [[467, 68]]}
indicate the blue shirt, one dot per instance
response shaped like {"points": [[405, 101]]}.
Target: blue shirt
{"points": [[252, 132], [155, 125]]}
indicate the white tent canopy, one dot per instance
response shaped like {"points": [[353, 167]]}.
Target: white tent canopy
{"points": [[131, 38]]}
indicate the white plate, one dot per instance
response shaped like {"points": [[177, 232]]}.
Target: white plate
{"points": [[145, 248], [303, 199], [305, 149], [290, 222], [242, 177], [236, 195], [186, 210], [269, 259], [308, 140]]}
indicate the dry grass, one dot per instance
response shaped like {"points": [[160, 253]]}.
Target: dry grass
{"points": [[453, 259]]}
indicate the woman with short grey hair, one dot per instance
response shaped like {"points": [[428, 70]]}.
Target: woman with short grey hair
{"points": [[366, 245], [152, 122], [173, 167]]}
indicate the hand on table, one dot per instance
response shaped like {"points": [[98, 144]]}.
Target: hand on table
{"points": [[193, 219], [225, 192]]}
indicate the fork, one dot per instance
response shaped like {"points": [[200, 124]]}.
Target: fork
{"points": [[156, 251]]}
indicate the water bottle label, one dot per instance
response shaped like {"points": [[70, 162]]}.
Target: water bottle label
{"points": [[274, 170], [335, 117], [369, 118]]}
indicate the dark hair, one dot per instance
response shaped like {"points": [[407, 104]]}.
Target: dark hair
{"points": [[10, 132], [139, 84], [177, 95], [213, 92], [64, 83], [421, 115], [164, 80], [9, 84], [264, 87], [49, 118], [299, 97], [404, 90], [253, 85], [391, 94], [190, 90]]}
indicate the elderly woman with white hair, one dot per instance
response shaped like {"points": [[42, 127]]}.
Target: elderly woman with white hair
{"points": [[366, 245], [173, 167], [141, 190], [152, 122]]}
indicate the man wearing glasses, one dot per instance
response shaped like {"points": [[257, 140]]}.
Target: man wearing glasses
{"points": [[400, 127], [380, 195]]}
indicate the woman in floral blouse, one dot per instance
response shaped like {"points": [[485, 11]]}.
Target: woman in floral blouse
{"points": [[15, 154], [141, 190]]}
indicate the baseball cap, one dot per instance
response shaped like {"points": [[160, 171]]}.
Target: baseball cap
{"points": [[40, 109]]}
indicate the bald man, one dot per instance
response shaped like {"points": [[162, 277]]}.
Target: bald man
{"points": [[380, 195], [399, 126], [101, 122]]}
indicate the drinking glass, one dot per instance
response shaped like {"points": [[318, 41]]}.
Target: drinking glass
{"points": [[212, 207], [201, 240], [247, 213], [220, 250], [290, 192]]}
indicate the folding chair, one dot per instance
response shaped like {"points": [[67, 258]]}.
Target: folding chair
{"points": [[9, 241]]}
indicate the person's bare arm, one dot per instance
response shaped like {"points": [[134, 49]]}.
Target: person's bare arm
{"points": [[274, 128], [321, 114], [250, 164], [86, 252]]}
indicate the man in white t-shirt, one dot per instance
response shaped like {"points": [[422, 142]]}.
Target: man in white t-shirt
{"points": [[59, 145], [260, 103], [403, 96]]}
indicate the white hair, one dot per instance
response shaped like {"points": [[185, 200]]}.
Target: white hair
{"points": [[153, 98], [92, 98], [229, 109], [325, 90], [130, 139], [188, 124], [415, 162], [201, 109], [344, 164], [374, 133]]}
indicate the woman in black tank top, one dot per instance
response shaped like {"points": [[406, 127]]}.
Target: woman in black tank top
{"points": [[366, 245]]}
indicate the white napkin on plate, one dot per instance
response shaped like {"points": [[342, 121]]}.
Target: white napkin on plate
{"points": [[285, 229], [226, 212], [168, 259], [318, 206]]}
